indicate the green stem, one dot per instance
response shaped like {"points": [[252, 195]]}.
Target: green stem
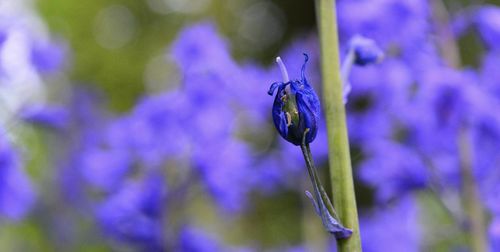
{"points": [[340, 161], [313, 175]]}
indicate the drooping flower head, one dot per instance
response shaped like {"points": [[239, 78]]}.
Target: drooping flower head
{"points": [[366, 51], [296, 107]]}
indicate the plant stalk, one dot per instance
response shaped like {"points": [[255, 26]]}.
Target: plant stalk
{"points": [[339, 157], [474, 210], [470, 195]]}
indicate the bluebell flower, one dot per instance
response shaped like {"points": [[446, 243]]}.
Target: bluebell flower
{"points": [[365, 51], [389, 22], [494, 234], [194, 239], [226, 173], [393, 170], [490, 76], [296, 108], [195, 55], [53, 117], [48, 56], [487, 19], [134, 214], [362, 51], [17, 195], [393, 228], [105, 169]]}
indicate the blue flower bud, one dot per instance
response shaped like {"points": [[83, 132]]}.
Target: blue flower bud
{"points": [[365, 50], [296, 107]]}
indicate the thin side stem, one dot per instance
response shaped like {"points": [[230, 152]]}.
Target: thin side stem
{"points": [[339, 157], [311, 169], [470, 195], [346, 67]]}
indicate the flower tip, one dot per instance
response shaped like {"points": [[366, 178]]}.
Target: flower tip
{"points": [[366, 51], [343, 233]]}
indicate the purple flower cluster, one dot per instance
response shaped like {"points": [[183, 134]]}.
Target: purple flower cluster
{"points": [[17, 195], [410, 114], [206, 131], [26, 54], [416, 119]]}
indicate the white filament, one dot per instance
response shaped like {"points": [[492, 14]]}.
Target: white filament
{"points": [[283, 70]]}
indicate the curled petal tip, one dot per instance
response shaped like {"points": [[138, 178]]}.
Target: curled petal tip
{"points": [[343, 233], [306, 57]]}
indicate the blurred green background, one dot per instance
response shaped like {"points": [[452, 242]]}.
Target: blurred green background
{"points": [[115, 42]]}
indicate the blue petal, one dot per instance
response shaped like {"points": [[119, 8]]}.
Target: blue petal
{"points": [[273, 87], [279, 117], [303, 71], [316, 207], [331, 224], [308, 117]]}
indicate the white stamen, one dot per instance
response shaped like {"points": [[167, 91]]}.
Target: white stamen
{"points": [[284, 73]]}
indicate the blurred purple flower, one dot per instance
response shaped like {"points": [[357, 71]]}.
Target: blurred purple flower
{"points": [[193, 239], [494, 234], [49, 116], [389, 22], [487, 19], [365, 51], [393, 170], [17, 195], [490, 76], [194, 54], [134, 214], [48, 56], [361, 51], [392, 228], [105, 168], [225, 172]]}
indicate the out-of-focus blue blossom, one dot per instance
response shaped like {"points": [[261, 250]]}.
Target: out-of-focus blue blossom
{"points": [[155, 124], [194, 54], [362, 51], [490, 76], [295, 109], [17, 194], [365, 50], [494, 234], [487, 19], [379, 93], [178, 125], [226, 172], [392, 228], [53, 117], [193, 239], [105, 169], [48, 56], [393, 169], [389, 22], [134, 214]]}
